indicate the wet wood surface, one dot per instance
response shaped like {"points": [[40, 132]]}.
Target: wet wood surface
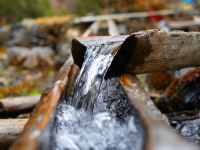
{"points": [[159, 134], [157, 51], [152, 50], [43, 113]]}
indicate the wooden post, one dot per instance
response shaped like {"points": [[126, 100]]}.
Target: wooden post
{"points": [[112, 28]]}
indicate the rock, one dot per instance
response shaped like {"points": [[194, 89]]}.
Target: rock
{"points": [[4, 36], [4, 81], [39, 56], [30, 58], [20, 36], [63, 51], [28, 22], [159, 80], [1, 66], [183, 94], [16, 55], [44, 54]]}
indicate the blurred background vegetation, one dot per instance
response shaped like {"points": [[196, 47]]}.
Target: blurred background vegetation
{"points": [[15, 10]]}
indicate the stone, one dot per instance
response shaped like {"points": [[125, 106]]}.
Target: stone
{"points": [[16, 55], [39, 56], [30, 58]]}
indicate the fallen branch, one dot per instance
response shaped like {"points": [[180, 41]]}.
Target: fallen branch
{"points": [[13, 104], [10, 129]]}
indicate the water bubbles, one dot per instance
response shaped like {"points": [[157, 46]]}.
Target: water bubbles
{"points": [[102, 131]]}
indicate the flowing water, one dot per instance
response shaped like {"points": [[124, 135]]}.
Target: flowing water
{"points": [[97, 115]]}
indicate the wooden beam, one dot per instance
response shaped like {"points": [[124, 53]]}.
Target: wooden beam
{"points": [[123, 16]]}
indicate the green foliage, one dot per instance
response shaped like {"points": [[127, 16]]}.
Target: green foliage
{"points": [[32, 93], [83, 7], [13, 10]]}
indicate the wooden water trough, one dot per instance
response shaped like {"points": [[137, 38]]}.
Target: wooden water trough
{"points": [[141, 52]]}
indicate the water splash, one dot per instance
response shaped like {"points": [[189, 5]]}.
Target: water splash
{"points": [[81, 132], [87, 85]]}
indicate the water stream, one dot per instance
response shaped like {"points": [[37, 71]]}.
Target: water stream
{"points": [[97, 115]]}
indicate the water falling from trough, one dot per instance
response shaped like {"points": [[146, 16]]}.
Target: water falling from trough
{"points": [[97, 115]]}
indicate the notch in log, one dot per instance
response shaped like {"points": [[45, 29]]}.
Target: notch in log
{"points": [[147, 51]]}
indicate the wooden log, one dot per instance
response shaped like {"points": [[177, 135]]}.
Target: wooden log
{"points": [[159, 134], [43, 113], [10, 129], [13, 104], [157, 51], [148, 51], [183, 24]]}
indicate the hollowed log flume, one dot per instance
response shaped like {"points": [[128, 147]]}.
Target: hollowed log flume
{"points": [[140, 52]]}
